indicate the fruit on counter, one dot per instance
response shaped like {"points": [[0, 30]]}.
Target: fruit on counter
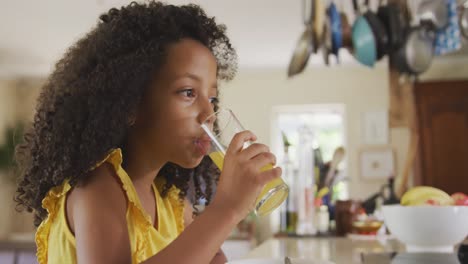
{"points": [[462, 202], [460, 198], [426, 195]]}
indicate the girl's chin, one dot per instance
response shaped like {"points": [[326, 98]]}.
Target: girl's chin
{"points": [[190, 164]]}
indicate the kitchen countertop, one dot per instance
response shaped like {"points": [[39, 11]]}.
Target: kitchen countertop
{"points": [[341, 250]]}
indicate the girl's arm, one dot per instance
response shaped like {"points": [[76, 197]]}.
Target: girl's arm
{"points": [[220, 257], [96, 213]]}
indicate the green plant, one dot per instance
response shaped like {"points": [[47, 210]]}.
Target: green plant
{"points": [[13, 136]]}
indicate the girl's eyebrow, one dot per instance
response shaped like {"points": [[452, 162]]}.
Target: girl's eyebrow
{"points": [[189, 75], [196, 78]]}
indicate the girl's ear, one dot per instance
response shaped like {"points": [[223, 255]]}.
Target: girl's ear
{"points": [[132, 118], [136, 115]]}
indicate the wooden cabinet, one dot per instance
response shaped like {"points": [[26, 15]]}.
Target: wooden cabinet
{"points": [[442, 110]]}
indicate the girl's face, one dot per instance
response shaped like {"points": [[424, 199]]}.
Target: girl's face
{"points": [[178, 101]]}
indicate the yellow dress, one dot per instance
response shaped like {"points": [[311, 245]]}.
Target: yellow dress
{"points": [[56, 243]]}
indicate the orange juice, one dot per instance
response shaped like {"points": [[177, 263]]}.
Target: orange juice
{"points": [[272, 200]]}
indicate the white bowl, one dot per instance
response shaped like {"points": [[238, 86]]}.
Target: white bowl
{"points": [[427, 228], [279, 261]]}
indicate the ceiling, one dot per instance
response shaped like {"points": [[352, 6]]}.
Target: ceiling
{"points": [[34, 34]]}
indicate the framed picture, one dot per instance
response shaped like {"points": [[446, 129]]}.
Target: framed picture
{"points": [[376, 163]]}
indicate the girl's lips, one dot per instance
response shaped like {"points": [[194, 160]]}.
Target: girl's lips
{"points": [[203, 145]]}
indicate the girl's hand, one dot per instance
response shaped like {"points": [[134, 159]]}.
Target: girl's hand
{"points": [[241, 179]]}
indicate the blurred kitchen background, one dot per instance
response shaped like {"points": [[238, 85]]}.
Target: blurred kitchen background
{"points": [[343, 131]]}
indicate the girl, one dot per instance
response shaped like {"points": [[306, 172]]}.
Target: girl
{"points": [[107, 163]]}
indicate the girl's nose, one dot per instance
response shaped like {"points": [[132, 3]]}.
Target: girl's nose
{"points": [[207, 114]]}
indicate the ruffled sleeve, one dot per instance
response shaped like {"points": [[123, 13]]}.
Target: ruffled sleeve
{"points": [[140, 221], [49, 203], [178, 207], [115, 159], [140, 225]]}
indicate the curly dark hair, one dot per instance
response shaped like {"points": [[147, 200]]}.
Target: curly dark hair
{"points": [[84, 108]]}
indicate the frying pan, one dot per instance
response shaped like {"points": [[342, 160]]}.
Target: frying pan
{"points": [[364, 43], [379, 31], [416, 53], [305, 45], [389, 15], [335, 26]]}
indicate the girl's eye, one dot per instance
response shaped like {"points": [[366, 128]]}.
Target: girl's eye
{"points": [[188, 92], [214, 100]]}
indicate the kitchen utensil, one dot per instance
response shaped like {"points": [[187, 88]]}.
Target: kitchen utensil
{"points": [[326, 43], [386, 193], [389, 15], [463, 20], [448, 39], [319, 20], [364, 43], [416, 54], [365, 50], [305, 45], [338, 156], [335, 26], [433, 13], [322, 192], [370, 203], [379, 31], [337, 178], [346, 32]]}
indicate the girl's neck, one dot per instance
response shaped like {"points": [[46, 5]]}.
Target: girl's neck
{"points": [[141, 166]]}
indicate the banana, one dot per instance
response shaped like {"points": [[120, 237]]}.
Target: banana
{"points": [[420, 195]]}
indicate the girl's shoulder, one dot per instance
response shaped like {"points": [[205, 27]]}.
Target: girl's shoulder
{"points": [[101, 193]]}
